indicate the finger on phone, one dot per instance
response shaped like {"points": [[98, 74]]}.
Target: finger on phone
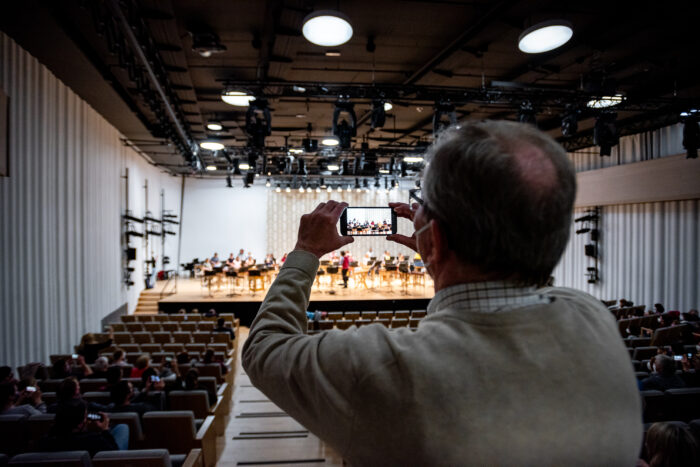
{"points": [[338, 210]]}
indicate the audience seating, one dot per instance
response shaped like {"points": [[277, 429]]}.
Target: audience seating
{"points": [[62, 459], [175, 431], [669, 335], [13, 434], [138, 458], [133, 421]]}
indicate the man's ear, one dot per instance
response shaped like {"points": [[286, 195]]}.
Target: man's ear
{"points": [[438, 239]]}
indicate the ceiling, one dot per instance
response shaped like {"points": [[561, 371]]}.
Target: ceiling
{"points": [[413, 53]]}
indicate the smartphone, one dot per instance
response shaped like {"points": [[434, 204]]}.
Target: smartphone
{"points": [[368, 221], [678, 358], [155, 379], [30, 389], [690, 355], [168, 359], [75, 356], [94, 416]]}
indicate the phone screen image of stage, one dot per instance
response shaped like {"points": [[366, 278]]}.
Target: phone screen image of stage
{"points": [[369, 221]]}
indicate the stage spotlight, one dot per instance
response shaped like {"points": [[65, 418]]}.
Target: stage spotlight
{"points": [[278, 189], [214, 125], [302, 167], [206, 44], [526, 113], [345, 131], [378, 114], [691, 135], [605, 132], [442, 110], [309, 145], [288, 189], [569, 122]]}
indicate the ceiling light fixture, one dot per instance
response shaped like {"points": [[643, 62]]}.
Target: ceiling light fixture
{"points": [[605, 101], [545, 36], [288, 190], [318, 189], [237, 98], [214, 125], [296, 150], [244, 166], [332, 53], [278, 189], [327, 28], [301, 189], [413, 159], [298, 89], [330, 141], [383, 171], [388, 106], [211, 167], [329, 189], [268, 184], [211, 145], [333, 167]]}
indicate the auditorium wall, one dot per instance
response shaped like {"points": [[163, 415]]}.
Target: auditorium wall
{"points": [[223, 220], [60, 225]]}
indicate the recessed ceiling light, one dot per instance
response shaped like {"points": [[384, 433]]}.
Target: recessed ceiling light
{"points": [[605, 101], [237, 98], [333, 167], [388, 106], [412, 159], [308, 189], [296, 150], [300, 116], [545, 36], [383, 171], [214, 125], [298, 89], [243, 166], [327, 28], [330, 141], [211, 145], [211, 167], [332, 53]]}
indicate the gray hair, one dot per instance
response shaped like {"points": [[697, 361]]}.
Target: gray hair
{"points": [[504, 193], [665, 365]]}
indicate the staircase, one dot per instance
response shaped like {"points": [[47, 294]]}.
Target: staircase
{"points": [[148, 302]]}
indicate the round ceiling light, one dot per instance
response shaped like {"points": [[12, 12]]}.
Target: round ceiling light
{"points": [[330, 141], [211, 168], [545, 36], [605, 101], [237, 98], [333, 167], [327, 28], [244, 166], [213, 125], [211, 145], [388, 106]]}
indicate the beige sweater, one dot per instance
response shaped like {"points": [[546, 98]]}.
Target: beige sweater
{"points": [[541, 385]]}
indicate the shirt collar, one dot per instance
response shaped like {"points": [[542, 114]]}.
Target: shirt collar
{"points": [[486, 297]]}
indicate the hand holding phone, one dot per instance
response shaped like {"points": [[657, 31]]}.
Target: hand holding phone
{"points": [[318, 233]]}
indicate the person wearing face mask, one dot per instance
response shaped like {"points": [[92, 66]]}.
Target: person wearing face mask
{"points": [[487, 377]]}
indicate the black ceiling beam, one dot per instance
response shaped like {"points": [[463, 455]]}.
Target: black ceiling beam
{"points": [[273, 12], [460, 41]]}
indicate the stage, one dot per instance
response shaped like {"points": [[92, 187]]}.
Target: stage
{"points": [[376, 296]]}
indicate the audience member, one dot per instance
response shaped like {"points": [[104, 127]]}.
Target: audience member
{"points": [[192, 383], [119, 358], [496, 213], [11, 404], [114, 375], [658, 308], [89, 346], [221, 326], [68, 390], [73, 431], [665, 377], [141, 365], [210, 357], [63, 368], [99, 368], [122, 395], [211, 313], [30, 393], [6, 375], [671, 444]]}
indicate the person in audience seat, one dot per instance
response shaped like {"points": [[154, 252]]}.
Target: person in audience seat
{"points": [[89, 347], [141, 365], [73, 431], [191, 383], [100, 368], [671, 444], [27, 403], [122, 395], [210, 357], [487, 378], [119, 358], [68, 390], [30, 393], [6, 375], [221, 326], [665, 377], [63, 368]]}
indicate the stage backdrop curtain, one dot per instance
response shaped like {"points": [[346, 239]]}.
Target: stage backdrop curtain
{"points": [[60, 225], [667, 141], [648, 254], [285, 209]]}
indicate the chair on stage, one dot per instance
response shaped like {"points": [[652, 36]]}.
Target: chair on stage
{"points": [[233, 281], [256, 283], [334, 274], [208, 278]]}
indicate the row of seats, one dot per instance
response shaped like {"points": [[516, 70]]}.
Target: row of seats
{"points": [[157, 326], [628, 311], [176, 337], [160, 317], [672, 404], [131, 458], [372, 315], [174, 430], [326, 324]]}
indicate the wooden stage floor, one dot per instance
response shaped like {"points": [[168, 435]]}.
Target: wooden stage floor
{"points": [[245, 304]]}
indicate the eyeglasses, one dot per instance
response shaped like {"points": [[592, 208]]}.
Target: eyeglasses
{"points": [[414, 195]]}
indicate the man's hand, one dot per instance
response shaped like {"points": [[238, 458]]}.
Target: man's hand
{"points": [[405, 211], [318, 233], [104, 423]]}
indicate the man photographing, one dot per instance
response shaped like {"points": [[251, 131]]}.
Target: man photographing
{"points": [[494, 374]]}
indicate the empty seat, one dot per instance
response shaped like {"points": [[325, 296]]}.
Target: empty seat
{"points": [[369, 315], [413, 322], [188, 326], [385, 315], [92, 384], [175, 431], [128, 318], [131, 357], [418, 314], [197, 401], [211, 369], [152, 327], [192, 317], [683, 404], [362, 322], [160, 318], [654, 407], [170, 326], [201, 337], [118, 327], [222, 338], [177, 318], [142, 337], [198, 348], [145, 317], [13, 434], [38, 426], [383, 322], [134, 327], [218, 347], [133, 458], [402, 314], [122, 338], [61, 459], [334, 315], [343, 324], [181, 337], [174, 348], [325, 324], [130, 347], [206, 326], [351, 315], [162, 337], [399, 323], [150, 348], [133, 421]]}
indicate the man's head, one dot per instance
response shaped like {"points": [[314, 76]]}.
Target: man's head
{"points": [[101, 364], [71, 416], [502, 196], [143, 361], [665, 365], [68, 389], [114, 375], [7, 394], [118, 355], [342, 253], [121, 392], [191, 379], [220, 322], [5, 374]]}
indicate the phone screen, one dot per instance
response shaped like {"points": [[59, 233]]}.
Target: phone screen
{"points": [[75, 356], [94, 416], [30, 389], [155, 378], [368, 221], [678, 357]]}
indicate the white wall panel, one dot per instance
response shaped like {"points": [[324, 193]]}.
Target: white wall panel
{"points": [[649, 253], [60, 252]]}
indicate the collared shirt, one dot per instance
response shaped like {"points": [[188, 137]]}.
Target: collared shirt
{"points": [[486, 297]]}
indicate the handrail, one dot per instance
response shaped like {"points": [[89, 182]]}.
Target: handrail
{"points": [[165, 287]]}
